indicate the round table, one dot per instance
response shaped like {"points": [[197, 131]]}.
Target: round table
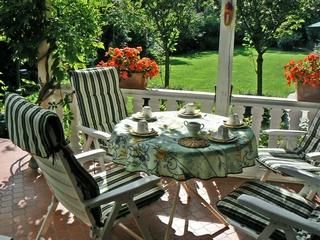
{"points": [[162, 155]]}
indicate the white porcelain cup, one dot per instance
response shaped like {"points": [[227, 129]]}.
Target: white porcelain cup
{"points": [[234, 119], [190, 108], [146, 112], [193, 127], [223, 132], [142, 127]]}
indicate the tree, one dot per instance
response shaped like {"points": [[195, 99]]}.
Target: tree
{"points": [[168, 19], [265, 21], [121, 19], [65, 31]]}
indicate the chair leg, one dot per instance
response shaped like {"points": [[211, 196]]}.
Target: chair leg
{"points": [[265, 175], [110, 221], [47, 220], [130, 232]]}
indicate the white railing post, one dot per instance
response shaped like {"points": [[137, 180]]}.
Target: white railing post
{"points": [[74, 132], [275, 121]]}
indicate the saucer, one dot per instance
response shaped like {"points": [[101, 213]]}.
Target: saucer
{"points": [[215, 138], [183, 114], [151, 133], [138, 116], [242, 125]]}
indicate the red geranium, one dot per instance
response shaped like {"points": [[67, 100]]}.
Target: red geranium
{"points": [[306, 71], [127, 60]]}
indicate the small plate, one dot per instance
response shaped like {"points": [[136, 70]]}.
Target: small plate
{"points": [[196, 114], [220, 140], [242, 125], [138, 116], [148, 134]]}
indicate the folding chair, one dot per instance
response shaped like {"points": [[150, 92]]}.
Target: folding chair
{"points": [[306, 156], [98, 200], [265, 211], [100, 102]]}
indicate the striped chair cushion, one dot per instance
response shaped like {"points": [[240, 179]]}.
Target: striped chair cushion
{"points": [[311, 140], [291, 201], [42, 134], [100, 100], [116, 177], [39, 132], [27, 124], [274, 158]]}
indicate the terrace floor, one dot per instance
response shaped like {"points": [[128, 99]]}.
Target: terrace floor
{"points": [[24, 197]]}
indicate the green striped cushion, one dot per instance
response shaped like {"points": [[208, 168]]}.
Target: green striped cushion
{"points": [[311, 140], [27, 125], [310, 143], [39, 131], [274, 158], [100, 100], [270, 193], [117, 177]]}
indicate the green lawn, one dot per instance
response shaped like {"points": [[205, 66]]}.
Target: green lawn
{"points": [[198, 71]]}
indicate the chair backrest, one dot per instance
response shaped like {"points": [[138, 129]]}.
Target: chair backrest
{"points": [[39, 132], [99, 97], [311, 141]]}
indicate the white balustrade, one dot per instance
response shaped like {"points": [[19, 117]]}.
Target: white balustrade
{"points": [[163, 99]]}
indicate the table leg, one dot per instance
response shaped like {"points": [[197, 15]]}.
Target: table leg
{"points": [[207, 205], [173, 209]]}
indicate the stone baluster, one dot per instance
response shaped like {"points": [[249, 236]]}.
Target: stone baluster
{"points": [[257, 120], [275, 121]]}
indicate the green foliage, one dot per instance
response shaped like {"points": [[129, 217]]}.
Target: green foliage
{"points": [[265, 21], [72, 32], [203, 32], [123, 22], [169, 19], [71, 27], [23, 25]]}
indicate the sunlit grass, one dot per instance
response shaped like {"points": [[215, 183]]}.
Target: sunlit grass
{"points": [[198, 72]]}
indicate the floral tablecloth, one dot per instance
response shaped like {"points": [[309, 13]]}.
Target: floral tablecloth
{"points": [[162, 155]]}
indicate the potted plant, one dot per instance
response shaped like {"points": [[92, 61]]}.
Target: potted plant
{"points": [[305, 74], [134, 71]]}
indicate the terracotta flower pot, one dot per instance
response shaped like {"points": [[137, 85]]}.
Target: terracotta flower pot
{"points": [[135, 81], [308, 93]]}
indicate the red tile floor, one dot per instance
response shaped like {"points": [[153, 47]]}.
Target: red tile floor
{"points": [[24, 197]]}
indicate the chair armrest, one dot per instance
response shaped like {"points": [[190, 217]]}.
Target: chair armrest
{"points": [[123, 193], [278, 214], [306, 177], [313, 156], [284, 132], [95, 133], [90, 155]]}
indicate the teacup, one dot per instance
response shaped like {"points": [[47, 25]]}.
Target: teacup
{"points": [[234, 120], [193, 127], [222, 133], [142, 127], [190, 108], [146, 112]]}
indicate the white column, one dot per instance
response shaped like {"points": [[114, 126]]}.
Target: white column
{"points": [[226, 45]]}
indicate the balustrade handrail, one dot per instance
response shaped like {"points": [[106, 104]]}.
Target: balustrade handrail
{"points": [[276, 105]]}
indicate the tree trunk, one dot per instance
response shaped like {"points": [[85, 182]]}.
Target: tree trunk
{"points": [[44, 70], [259, 73], [167, 68]]}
